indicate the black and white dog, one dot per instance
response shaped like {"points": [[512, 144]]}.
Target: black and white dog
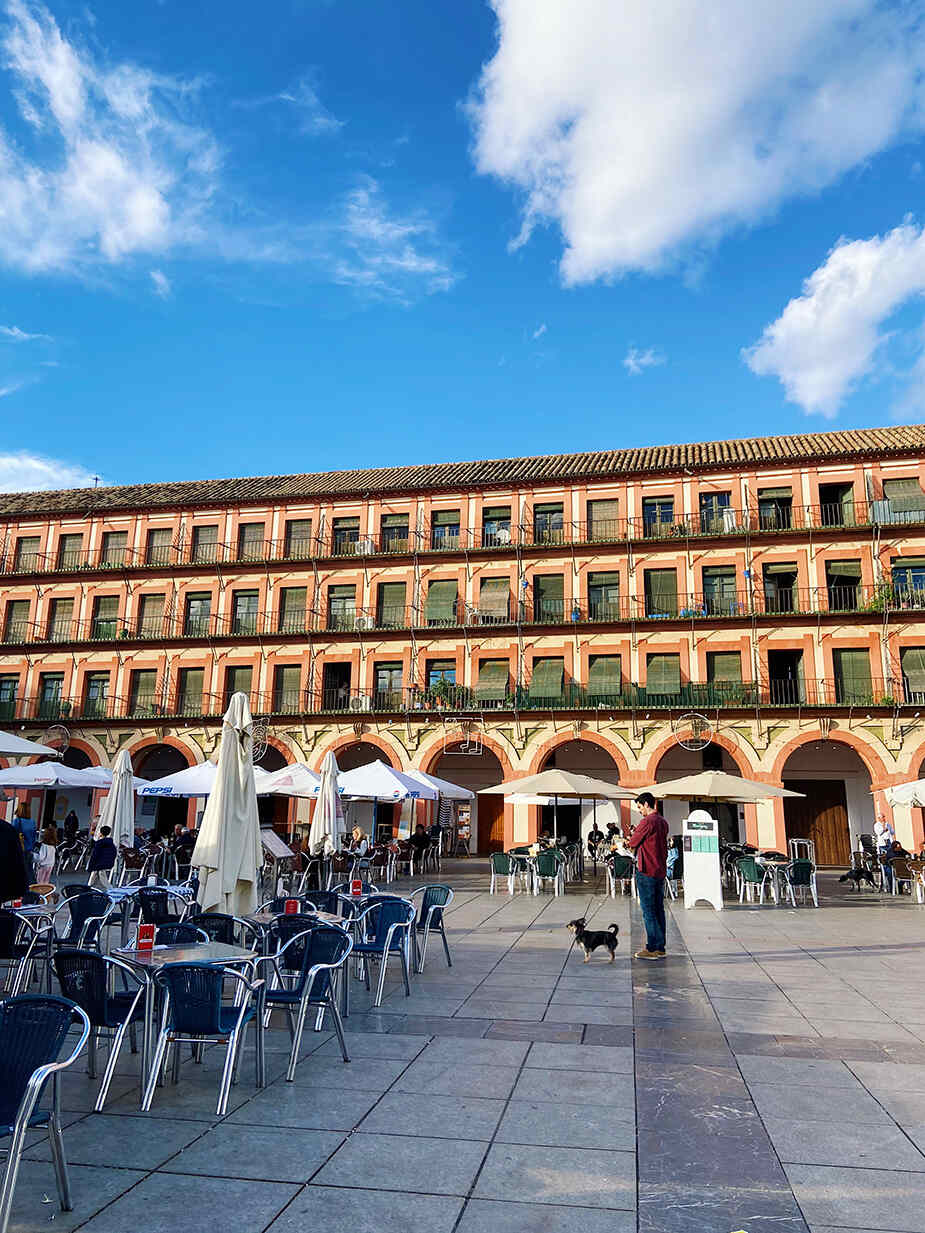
{"points": [[590, 939], [857, 876]]}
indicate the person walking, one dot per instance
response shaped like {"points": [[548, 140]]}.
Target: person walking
{"points": [[25, 827], [102, 859], [884, 837], [649, 840], [45, 857]]}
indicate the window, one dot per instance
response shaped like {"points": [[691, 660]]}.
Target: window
{"points": [[444, 529], [244, 612], [16, 625], [60, 617], [189, 691], [390, 605], [335, 687], [441, 602], [548, 597], [548, 527], [780, 586], [836, 505], [716, 516], [853, 686], [775, 508], [663, 678], [440, 672], [292, 605], [660, 588], [604, 597], [603, 520], [151, 616], [159, 546], [843, 582], [657, 516], [605, 680], [198, 619], [114, 550], [785, 678], [287, 680], [51, 687], [238, 680], [394, 532], [547, 682], [142, 692], [71, 552], [96, 695], [905, 497], [250, 541], [346, 536], [719, 590], [342, 606], [494, 601], [912, 667], [204, 547], [105, 621], [908, 576], [9, 687], [298, 541], [492, 687], [387, 687], [724, 676], [496, 526], [27, 555]]}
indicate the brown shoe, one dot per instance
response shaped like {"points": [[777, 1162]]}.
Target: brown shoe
{"points": [[647, 954]]}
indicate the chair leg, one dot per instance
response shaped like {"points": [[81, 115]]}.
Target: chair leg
{"points": [[110, 1070], [156, 1064], [338, 1025], [91, 1054], [9, 1175], [57, 1154], [380, 988], [297, 1041], [227, 1075], [404, 971], [420, 962], [446, 946]]}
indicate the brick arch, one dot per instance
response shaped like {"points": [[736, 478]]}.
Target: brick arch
{"points": [[735, 752], [277, 743], [916, 761], [193, 756], [871, 759], [593, 738], [368, 738], [432, 754], [92, 749]]}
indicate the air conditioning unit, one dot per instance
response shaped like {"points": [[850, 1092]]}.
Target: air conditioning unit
{"points": [[361, 702], [363, 622]]}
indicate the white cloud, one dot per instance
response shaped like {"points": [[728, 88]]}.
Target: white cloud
{"points": [[14, 334], [388, 255], [314, 118], [828, 338], [27, 472], [161, 284], [539, 331], [12, 387], [645, 131], [636, 361]]}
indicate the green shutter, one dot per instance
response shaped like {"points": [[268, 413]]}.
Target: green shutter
{"points": [[844, 569], [661, 588], [775, 494], [904, 494], [663, 674], [603, 519], [547, 678], [496, 513], [604, 676], [106, 607], [852, 675], [292, 605], [785, 567], [724, 666], [390, 606], [445, 518], [494, 675], [495, 598], [238, 680], [441, 602], [912, 662], [907, 563], [548, 597]]}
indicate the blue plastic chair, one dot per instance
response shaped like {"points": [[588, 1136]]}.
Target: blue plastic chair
{"points": [[285, 930], [87, 913], [230, 930], [193, 1011], [33, 1030], [180, 934], [386, 930], [434, 900], [85, 979], [18, 941], [323, 951]]}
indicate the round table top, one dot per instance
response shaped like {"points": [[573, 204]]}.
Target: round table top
{"points": [[194, 952]]}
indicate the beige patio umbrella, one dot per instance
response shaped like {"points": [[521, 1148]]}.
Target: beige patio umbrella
{"points": [[228, 852], [563, 785], [715, 786]]}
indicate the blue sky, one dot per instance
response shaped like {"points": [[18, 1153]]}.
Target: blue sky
{"points": [[340, 233]]}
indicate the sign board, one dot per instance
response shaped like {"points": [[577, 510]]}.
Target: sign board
{"points": [[356, 888], [275, 846], [145, 940], [291, 907], [702, 875]]}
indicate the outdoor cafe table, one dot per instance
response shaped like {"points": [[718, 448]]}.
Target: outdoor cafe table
{"points": [[148, 962]]}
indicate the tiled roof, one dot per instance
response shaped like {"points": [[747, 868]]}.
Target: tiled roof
{"points": [[750, 452]]}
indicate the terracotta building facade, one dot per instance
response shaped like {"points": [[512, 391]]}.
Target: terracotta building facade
{"points": [[755, 605]]}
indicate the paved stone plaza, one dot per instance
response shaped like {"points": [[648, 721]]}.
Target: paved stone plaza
{"points": [[768, 1075]]}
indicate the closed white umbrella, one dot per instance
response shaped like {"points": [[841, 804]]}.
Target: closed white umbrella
{"points": [[228, 852], [19, 747], [328, 819], [379, 782], [119, 806], [296, 779]]}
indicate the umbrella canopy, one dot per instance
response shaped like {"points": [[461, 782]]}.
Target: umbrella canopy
{"points": [[328, 819], [912, 793], [228, 851], [452, 791], [379, 782], [556, 783], [54, 775], [716, 786], [119, 806], [18, 746], [196, 780], [296, 779]]}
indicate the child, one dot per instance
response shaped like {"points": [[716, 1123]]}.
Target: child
{"points": [[45, 857], [102, 859]]}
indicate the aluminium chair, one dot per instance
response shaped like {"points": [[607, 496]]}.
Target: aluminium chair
{"points": [[800, 876], [502, 866], [435, 900], [384, 929]]}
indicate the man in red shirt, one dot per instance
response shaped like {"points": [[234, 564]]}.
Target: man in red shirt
{"points": [[650, 841]]}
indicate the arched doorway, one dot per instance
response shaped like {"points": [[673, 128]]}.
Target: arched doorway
{"points": [[273, 810], [477, 772], [574, 821], [150, 811], [837, 805], [377, 819], [677, 762], [361, 753]]}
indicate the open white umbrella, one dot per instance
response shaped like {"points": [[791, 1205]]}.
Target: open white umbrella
{"points": [[561, 786], [716, 786], [328, 819], [296, 779], [196, 780], [228, 852], [452, 791], [55, 775], [376, 781], [18, 747], [118, 810], [912, 793]]}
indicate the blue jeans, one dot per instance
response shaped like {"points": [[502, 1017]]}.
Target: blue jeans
{"points": [[651, 893]]}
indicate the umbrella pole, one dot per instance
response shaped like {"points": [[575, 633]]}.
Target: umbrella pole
{"points": [[555, 819]]}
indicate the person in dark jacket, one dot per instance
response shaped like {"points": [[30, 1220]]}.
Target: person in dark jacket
{"points": [[13, 881], [25, 827], [102, 859]]}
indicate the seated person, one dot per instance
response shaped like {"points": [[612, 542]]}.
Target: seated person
{"points": [[358, 844], [420, 840]]}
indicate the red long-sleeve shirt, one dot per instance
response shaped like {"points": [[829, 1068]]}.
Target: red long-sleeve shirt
{"points": [[650, 839]]}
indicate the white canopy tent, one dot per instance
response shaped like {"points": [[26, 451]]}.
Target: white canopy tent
{"points": [[912, 793], [296, 779], [55, 775], [197, 780], [13, 746], [442, 787], [377, 781]]}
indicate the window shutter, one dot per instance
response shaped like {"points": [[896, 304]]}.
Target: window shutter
{"points": [[912, 665], [662, 590], [775, 570], [494, 675], [238, 680], [663, 674], [907, 563], [775, 494], [495, 598], [106, 607], [441, 602], [603, 519], [604, 676], [391, 595], [496, 513], [844, 569], [852, 675], [292, 604], [445, 518], [546, 680], [724, 666], [904, 494]]}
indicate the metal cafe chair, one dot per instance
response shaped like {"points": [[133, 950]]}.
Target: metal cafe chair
{"points": [[231, 930], [33, 1031], [753, 878], [19, 940], [392, 921], [434, 900], [619, 869], [85, 915], [800, 875], [502, 866]]}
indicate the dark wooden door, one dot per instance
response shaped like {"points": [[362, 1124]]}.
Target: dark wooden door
{"points": [[491, 823], [822, 816]]}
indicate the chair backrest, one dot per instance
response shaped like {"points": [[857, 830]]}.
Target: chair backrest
{"points": [[436, 897], [154, 904], [33, 1030], [343, 888], [622, 866], [326, 944], [750, 870], [82, 907], [283, 930], [75, 888], [501, 863], [195, 991], [219, 926], [82, 977], [901, 868], [179, 934], [324, 900], [800, 873], [9, 927], [548, 864], [386, 913], [867, 844]]}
